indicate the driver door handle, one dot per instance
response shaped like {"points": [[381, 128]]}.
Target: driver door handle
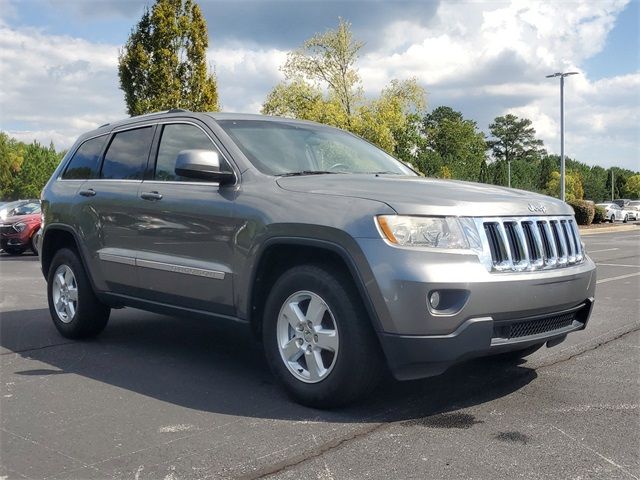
{"points": [[151, 196], [90, 192]]}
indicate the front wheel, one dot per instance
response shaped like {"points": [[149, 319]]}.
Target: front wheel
{"points": [[13, 250], [612, 219], [318, 338], [626, 219], [34, 241], [75, 310]]}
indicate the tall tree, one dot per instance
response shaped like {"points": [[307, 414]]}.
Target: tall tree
{"points": [[38, 164], [322, 84], [457, 141], [330, 58], [548, 164], [633, 187], [11, 158], [163, 64], [513, 138], [573, 183]]}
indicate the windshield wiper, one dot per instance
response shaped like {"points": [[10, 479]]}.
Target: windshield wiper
{"points": [[383, 172], [306, 172]]}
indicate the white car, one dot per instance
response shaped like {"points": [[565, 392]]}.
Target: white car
{"points": [[633, 209], [614, 212]]}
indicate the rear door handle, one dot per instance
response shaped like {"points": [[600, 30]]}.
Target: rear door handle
{"points": [[151, 196], [90, 192]]}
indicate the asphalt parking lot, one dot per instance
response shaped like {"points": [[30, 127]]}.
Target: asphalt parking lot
{"points": [[156, 397]]}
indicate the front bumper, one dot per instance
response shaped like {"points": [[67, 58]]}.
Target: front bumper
{"points": [[419, 341], [410, 357], [16, 241]]}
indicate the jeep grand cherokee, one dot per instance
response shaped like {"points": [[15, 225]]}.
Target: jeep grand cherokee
{"points": [[340, 258]]}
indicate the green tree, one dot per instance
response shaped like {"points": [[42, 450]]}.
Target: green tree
{"points": [[457, 141], [163, 64], [322, 84], [38, 164], [11, 158], [513, 138], [499, 173], [484, 172], [573, 184], [330, 58], [633, 187], [548, 164]]}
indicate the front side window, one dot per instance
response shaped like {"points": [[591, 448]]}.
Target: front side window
{"points": [[175, 138], [126, 157], [84, 163], [284, 148]]}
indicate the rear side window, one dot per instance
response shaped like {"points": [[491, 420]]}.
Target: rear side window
{"points": [[84, 163], [175, 138], [126, 157]]}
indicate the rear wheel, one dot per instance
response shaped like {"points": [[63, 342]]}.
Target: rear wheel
{"points": [[74, 307], [318, 338]]}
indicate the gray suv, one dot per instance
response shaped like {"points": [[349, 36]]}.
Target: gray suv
{"points": [[341, 259]]}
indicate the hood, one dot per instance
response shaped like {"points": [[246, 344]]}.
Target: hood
{"points": [[32, 217], [410, 195]]}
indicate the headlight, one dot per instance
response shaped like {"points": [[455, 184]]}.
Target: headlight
{"points": [[19, 227], [433, 232]]}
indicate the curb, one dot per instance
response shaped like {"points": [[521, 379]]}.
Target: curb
{"points": [[619, 228]]}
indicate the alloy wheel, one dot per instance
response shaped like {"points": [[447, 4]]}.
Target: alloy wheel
{"points": [[307, 336], [65, 293]]}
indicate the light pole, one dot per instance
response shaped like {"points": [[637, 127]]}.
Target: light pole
{"points": [[562, 170]]}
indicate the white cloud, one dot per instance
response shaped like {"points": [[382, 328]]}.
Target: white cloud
{"points": [[483, 59], [497, 58]]}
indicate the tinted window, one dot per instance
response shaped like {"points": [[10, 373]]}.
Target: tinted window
{"points": [[175, 138], [84, 163], [127, 154]]}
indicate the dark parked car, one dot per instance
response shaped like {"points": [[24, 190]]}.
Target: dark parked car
{"points": [[339, 257]]}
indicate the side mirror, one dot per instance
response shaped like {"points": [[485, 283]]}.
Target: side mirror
{"points": [[203, 165]]}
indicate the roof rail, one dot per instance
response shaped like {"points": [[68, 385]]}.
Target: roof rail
{"points": [[177, 110]]}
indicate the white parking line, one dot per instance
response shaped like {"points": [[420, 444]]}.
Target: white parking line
{"points": [[617, 265], [604, 250], [611, 279]]}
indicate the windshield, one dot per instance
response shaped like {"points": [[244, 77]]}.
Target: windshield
{"points": [[282, 148], [26, 209]]}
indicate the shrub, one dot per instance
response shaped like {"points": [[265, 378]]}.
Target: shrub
{"points": [[600, 215], [584, 211]]}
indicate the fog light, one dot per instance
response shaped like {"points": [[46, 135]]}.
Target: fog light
{"points": [[434, 300]]}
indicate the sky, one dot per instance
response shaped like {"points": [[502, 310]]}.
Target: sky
{"points": [[58, 61]]}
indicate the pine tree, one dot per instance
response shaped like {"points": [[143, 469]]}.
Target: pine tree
{"points": [[163, 64]]}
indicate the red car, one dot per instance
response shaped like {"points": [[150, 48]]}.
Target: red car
{"points": [[19, 229]]}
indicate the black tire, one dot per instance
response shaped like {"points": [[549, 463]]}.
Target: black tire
{"points": [[612, 219], [34, 243], [626, 219], [358, 364], [91, 315], [14, 250], [517, 355]]}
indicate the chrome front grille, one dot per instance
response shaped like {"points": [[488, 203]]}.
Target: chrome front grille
{"points": [[529, 243]]}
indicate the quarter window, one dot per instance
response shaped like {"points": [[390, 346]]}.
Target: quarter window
{"points": [[127, 154], [175, 138], [84, 163]]}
